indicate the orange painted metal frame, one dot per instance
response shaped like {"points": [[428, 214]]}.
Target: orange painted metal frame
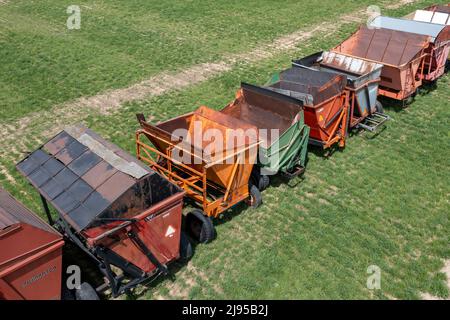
{"points": [[338, 133], [196, 185]]}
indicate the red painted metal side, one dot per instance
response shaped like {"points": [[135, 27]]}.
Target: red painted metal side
{"points": [[30, 263], [328, 121], [402, 54], [159, 228], [436, 61]]}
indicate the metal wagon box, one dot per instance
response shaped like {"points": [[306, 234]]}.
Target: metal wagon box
{"points": [[438, 48], [285, 151], [117, 210], [401, 53], [325, 102], [214, 174], [30, 254], [363, 78]]}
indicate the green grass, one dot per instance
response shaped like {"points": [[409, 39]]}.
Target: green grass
{"points": [[122, 42], [382, 201]]}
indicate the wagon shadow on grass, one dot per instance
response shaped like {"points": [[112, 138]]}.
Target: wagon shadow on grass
{"points": [[399, 106]]}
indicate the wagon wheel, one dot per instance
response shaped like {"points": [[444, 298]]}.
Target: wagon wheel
{"points": [[186, 250], [260, 180], [200, 227], [255, 199], [264, 182], [86, 292], [379, 107]]}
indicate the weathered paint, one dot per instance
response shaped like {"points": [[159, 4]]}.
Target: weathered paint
{"points": [[268, 111]]}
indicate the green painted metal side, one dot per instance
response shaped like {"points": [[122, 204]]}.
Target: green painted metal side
{"points": [[288, 152]]}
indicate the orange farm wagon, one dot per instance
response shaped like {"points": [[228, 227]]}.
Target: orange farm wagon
{"points": [[208, 154]]}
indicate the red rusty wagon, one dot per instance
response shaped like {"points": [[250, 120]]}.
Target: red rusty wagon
{"points": [[30, 254], [31, 257], [438, 47], [363, 78], [326, 103], [402, 54], [122, 214]]}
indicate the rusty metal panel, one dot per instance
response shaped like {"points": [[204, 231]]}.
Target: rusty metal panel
{"points": [[97, 175], [13, 212], [349, 64], [6, 219], [264, 109], [115, 186], [386, 46], [71, 152]]}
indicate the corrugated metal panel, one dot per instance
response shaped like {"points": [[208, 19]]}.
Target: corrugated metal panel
{"points": [[385, 46], [6, 219], [13, 212], [417, 27], [85, 177], [349, 64]]}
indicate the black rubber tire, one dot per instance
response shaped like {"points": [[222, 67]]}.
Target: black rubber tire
{"points": [[186, 250], [86, 292], [200, 227], [255, 198], [379, 107], [264, 182], [259, 180]]}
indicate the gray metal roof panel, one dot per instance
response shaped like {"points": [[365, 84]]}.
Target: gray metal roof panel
{"points": [[411, 26]]}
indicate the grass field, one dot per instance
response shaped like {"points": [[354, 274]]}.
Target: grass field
{"points": [[121, 42], [382, 201]]}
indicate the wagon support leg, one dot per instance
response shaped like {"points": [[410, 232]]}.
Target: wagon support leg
{"points": [[232, 177], [141, 245], [47, 210]]}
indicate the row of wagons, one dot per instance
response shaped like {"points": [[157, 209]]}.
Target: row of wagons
{"points": [[126, 213]]}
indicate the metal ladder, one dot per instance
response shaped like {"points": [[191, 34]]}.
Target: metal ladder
{"points": [[374, 121]]}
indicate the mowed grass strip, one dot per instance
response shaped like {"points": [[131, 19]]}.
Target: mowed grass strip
{"points": [[382, 201], [124, 42]]}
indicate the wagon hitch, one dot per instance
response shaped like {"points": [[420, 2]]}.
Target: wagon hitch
{"points": [[373, 122], [298, 170]]}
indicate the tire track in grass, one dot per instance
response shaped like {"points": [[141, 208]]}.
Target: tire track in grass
{"points": [[42, 125]]}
